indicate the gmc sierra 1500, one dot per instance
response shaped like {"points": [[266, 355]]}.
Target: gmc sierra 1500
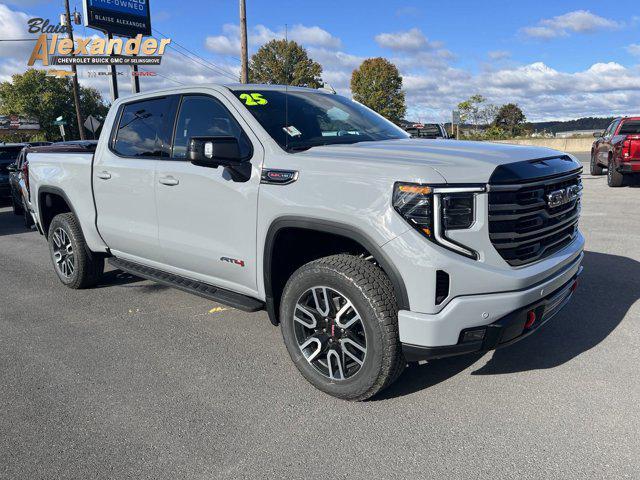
{"points": [[370, 249]]}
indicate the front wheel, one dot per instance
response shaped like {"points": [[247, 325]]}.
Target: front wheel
{"points": [[76, 266], [339, 323]]}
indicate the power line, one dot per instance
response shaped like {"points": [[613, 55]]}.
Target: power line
{"points": [[207, 64]]}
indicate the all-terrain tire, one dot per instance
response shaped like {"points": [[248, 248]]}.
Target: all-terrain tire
{"points": [[371, 293], [87, 266], [17, 208], [594, 168], [614, 178]]}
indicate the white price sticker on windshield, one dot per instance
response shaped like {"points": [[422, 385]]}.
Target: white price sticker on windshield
{"points": [[292, 131]]}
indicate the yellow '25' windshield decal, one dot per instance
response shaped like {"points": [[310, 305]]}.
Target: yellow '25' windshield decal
{"points": [[251, 99]]}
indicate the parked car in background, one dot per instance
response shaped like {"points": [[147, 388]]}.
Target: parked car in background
{"points": [[618, 150], [8, 154], [427, 130], [19, 197]]}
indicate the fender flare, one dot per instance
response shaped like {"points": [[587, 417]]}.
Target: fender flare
{"points": [[344, 230], [54, 191]]}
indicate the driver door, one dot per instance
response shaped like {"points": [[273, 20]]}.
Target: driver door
{"points": [[206, 219]]}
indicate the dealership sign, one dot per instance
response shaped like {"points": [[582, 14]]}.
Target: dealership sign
{"points": [[126, 18], [58, 49], [14, 122]]}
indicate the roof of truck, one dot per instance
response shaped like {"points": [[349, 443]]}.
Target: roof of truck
{"points": [[261, 86]]}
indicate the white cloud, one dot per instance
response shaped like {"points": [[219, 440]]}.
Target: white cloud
{"points": [[634, 49], [13, 24], [578, 21], [229, 42], [410, 40], [603, 89], [499, 55]]}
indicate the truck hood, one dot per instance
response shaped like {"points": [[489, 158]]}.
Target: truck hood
{"points": [[456, 161]]}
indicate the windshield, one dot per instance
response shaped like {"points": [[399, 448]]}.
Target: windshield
{"points": [[9, 154], [301, 120]]}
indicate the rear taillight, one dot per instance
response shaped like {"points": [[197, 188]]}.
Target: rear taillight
{"points": [[25, 174], [626, 149]]}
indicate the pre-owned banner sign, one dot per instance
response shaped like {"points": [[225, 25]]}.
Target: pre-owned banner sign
{"points": [[127, 18]]}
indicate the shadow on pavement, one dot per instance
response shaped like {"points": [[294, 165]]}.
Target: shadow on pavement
{"points": [[11, 224], [584, 323]]}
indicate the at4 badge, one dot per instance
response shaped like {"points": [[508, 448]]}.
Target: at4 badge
{"points": [[278, 177], [235, 261]]}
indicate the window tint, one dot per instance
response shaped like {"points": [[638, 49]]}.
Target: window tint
{"points": [[612, 128], [202, 116], [630, 127], [143, 129]]}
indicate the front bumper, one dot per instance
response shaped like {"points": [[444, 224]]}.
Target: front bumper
{"points": [[495, 319]]}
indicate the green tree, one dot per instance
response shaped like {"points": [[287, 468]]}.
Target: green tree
{"points": [[33, 94], [378, 85], [284, 62], [471, 110], [511, 118]]}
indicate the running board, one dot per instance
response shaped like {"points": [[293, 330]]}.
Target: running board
{"points": [[232, 299]]}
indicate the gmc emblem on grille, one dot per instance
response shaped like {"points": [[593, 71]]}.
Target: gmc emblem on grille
{"points": [[562, 196]]}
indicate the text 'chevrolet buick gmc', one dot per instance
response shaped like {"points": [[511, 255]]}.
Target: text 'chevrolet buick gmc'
{"points": [[369, 248]]}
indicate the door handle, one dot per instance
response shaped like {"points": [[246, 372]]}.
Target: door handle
{"points": [[104, 175], [169, 180]]}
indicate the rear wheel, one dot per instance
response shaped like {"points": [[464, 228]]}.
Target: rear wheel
{"points": [[75, 265], [17, 208], [614, 178], [339, 323], [26, 216], [594, 167]]}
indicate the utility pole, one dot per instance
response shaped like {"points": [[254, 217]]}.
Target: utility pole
{"points": [[113, 80], [74, 78], [244, 74]]}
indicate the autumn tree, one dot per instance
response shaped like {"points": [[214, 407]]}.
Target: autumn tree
{"points": [[510, 118], [378, 85], [33, 94], [284, 62]]}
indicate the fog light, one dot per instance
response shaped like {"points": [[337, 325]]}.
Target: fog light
{"points": [[473, 335], [531, 319]]}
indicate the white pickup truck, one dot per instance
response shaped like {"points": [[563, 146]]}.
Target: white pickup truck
{"points": [[369, 248]]}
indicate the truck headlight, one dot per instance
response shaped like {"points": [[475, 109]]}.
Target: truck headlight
{"points": [[434, 210]]}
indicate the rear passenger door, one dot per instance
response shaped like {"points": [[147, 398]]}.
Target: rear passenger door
{"points": [[124, 178], [207, 219]]}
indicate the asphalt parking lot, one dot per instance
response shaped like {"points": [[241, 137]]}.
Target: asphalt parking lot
{"points": [[136, 380]]}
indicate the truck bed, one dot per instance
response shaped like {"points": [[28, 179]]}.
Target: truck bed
{"points": [[65, 170]]}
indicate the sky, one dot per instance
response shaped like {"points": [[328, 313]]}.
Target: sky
{"points": [[557, 59]]}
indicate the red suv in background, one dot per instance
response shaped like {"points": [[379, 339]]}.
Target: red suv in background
{"points": [[618, 150]]}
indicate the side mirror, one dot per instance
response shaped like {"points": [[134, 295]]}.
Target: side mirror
{"points": [[12, 168], [214, 151], [598, 134]]}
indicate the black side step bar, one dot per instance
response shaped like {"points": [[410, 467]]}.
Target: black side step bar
{"points": [[235, 300]]}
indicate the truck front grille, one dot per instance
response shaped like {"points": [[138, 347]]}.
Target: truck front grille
{"points": [[524, 227]]}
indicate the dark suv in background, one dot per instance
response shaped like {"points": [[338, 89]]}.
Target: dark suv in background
{"points": [[9, 153]]}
